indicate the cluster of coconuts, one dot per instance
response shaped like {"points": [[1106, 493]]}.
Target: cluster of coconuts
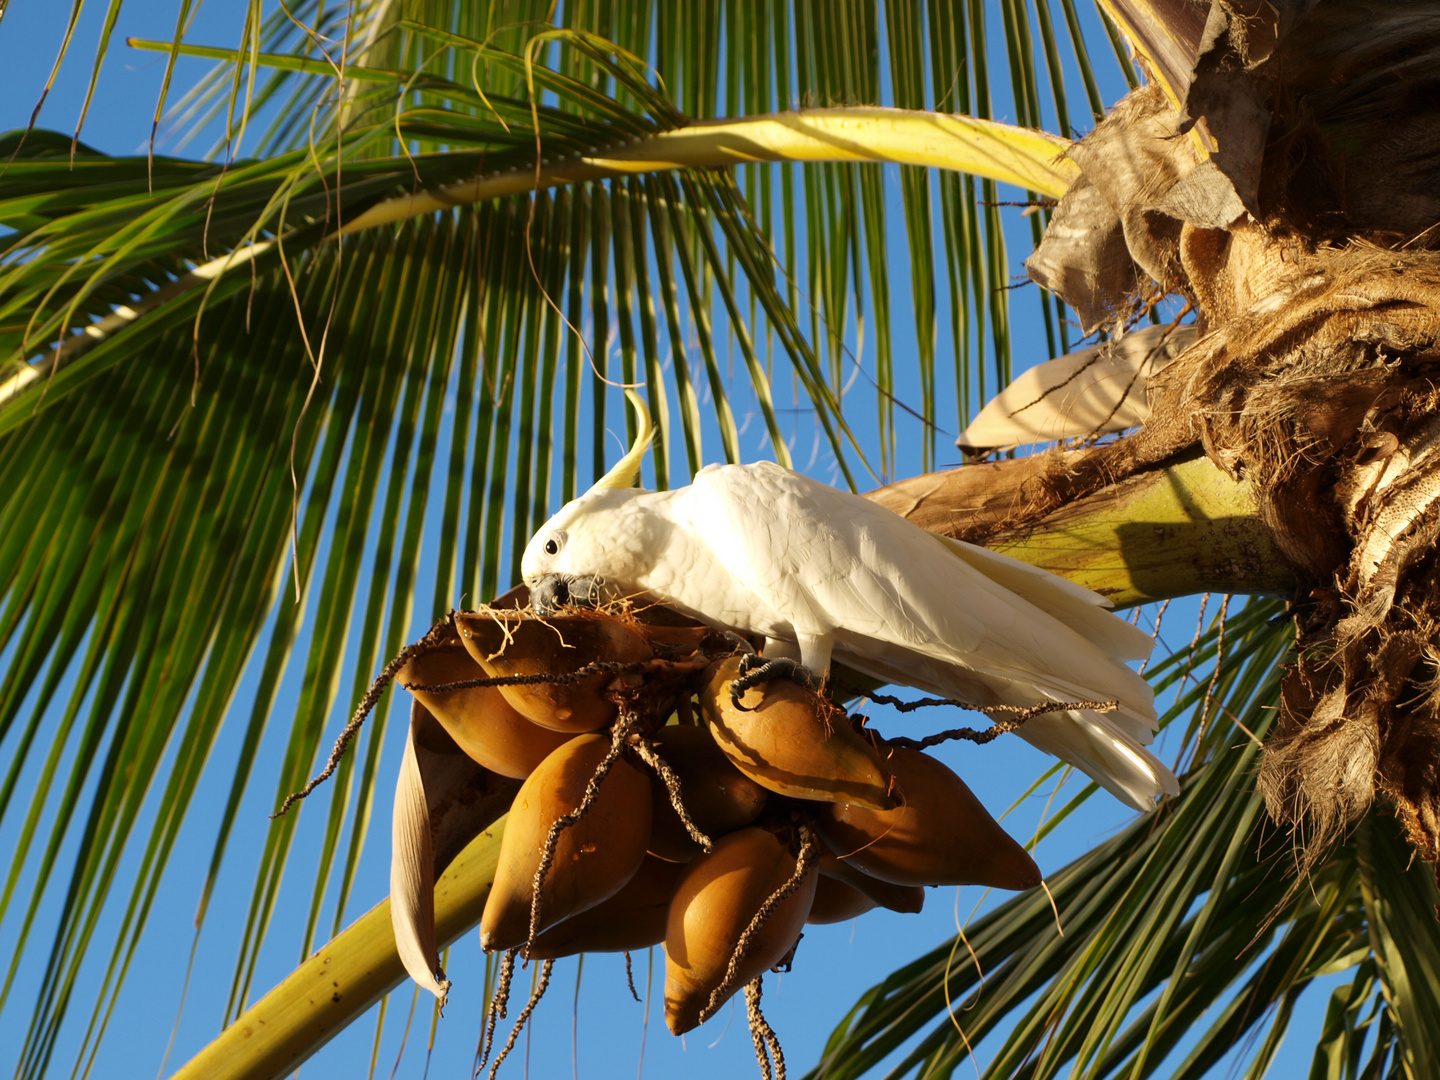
{"points": [[696, 819]]}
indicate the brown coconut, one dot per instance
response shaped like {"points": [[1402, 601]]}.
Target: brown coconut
{"points": [[479, 719], [714, 903], [941, 835], [634, 918], [792, 741], [594, 857], [718, 797], [506, 644], [836, 902], [906, 899]]}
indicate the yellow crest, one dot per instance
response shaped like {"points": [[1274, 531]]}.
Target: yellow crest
{"points": [[627, 470]]}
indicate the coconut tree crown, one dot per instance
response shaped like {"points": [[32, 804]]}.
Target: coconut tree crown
{"points": [[236, 384]]}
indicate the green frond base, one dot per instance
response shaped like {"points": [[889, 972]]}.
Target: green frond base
{"points": [[1012, 155], [1184, 529], [347, 975]]}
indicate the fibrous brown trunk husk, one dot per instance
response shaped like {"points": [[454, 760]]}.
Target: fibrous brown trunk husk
{"points": [[1291, 198]]}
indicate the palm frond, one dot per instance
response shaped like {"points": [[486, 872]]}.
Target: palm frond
{"points": [[232, 435], [1178, 914]]}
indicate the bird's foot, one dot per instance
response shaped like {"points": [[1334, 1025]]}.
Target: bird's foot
{"points": [[755, 669]]}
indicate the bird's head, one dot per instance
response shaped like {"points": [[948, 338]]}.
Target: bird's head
{"points": [[565, 561]]}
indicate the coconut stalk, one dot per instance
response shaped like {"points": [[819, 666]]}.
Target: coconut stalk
{"points": [[347, 975], [1183, 528]]}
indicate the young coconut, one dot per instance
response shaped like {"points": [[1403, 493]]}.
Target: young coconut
{"points": [[506, 644], [836, 902], [591, 859], [478, 718], [941, 835], [715, 904], [792, 741], [906, 899], [718, 797], [634, 918]]}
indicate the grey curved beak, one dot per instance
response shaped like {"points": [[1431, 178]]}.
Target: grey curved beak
{"points": [[551, 592]]}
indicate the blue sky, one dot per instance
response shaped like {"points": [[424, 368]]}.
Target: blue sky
{"points": [[588, 1024]]}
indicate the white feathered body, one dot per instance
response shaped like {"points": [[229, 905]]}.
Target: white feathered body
{"points": [[825, 574]]}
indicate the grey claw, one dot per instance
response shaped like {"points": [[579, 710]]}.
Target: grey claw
{"points": [[755, 669]]}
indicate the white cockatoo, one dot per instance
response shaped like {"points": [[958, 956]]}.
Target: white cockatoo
{"points": [[826, 575]]}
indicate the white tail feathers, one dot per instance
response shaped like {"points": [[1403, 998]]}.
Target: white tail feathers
{"points": [[1094, 745]]}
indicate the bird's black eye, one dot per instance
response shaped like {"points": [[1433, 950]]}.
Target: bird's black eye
{"points": [[551, 547]]}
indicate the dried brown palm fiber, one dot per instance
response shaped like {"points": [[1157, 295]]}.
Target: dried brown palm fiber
{"points": [[1326, 402], [1305, 396], [1289, 383], [1101, 238], [1355, 87], [1320, 308], [646, 751], [495, 1010], [1308, 120], [1320, 395], [372, 697], [762, 1034], [541, 985], [1318, 771], [1357, 717]]}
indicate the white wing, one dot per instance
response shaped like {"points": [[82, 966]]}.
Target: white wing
{"points": [[1074, 605], [967, 623]]}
